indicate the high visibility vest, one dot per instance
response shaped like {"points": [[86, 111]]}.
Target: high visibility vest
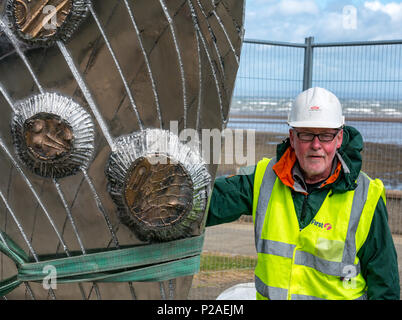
{"points": [[319, 261]]}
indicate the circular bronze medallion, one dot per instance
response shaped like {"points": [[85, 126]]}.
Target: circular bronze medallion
{"points": [[53, 135], [42, 22], [48, 137], [40, 18], [158, 192], [160, 185]]}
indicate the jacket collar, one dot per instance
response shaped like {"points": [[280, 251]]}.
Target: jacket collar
{"points": [[288, 171], [347, 163]]}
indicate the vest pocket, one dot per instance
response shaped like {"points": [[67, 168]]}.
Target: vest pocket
{"points": [[331, 250]]}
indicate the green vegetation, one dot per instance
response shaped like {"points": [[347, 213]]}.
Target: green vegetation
{"points": [[213, 262]]}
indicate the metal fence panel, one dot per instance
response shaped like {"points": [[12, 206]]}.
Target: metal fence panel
{"points": [[368, 81], [268, 78]]}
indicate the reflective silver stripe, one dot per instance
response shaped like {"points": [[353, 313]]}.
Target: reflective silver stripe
{"points": [[267, 185], [305, 297], [339, 269], [275, 247], [363, 297], [359, 200], [272, 293]]}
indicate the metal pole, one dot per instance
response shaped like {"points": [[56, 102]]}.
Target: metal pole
{"points": [[308, 63]]}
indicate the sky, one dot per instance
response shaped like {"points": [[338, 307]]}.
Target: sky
{"points": [[325, 20]]}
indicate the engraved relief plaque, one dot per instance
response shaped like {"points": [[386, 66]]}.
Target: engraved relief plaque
{"points": [[48, 137], [41, 18], [158, 194], [41, 22]]}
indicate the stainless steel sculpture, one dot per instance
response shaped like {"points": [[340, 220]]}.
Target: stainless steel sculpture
{"points": [[88, 91]]}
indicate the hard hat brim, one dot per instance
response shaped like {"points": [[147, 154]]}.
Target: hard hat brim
{"points": [[316, 124]]}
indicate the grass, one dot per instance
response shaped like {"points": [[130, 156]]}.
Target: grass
{"points": [[214, 262]]}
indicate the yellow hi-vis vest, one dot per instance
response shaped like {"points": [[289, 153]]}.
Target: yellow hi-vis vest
{"points": [[319, 261]]}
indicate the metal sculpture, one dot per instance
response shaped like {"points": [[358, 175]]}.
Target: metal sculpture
{"points": [[89, 90]]}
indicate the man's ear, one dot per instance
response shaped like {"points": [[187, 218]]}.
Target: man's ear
{"points": [[340, 139], [291, 137]]}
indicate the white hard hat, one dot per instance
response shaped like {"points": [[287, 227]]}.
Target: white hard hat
{"points": [[316, 108]]}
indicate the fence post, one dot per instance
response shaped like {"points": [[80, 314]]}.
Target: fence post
{"points": [[308, 63]]}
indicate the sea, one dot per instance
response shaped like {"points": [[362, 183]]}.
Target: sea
{"points": [[377, 121]]}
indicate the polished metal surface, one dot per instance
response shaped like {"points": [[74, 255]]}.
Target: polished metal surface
{"points": [[131, 67]]}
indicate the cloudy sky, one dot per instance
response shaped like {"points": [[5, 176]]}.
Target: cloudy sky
{"points": [[325, 20]]}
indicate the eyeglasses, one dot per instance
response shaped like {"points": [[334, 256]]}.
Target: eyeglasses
{"points": [[323, 137]]}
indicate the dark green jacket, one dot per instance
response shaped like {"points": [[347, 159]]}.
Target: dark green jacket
{"points": [[233, 197]]}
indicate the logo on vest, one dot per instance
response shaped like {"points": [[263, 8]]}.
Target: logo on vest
{"points": [[326, 226]]}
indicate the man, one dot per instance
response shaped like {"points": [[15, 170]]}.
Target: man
{"points": [[321, 228]]}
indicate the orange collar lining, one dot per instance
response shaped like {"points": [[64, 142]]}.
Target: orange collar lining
{"points": [[283, 169]]}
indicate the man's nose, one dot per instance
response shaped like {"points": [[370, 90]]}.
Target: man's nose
{"points": [[316, 144]]}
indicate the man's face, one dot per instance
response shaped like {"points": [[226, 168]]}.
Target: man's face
{"points": [[315, 157]]}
